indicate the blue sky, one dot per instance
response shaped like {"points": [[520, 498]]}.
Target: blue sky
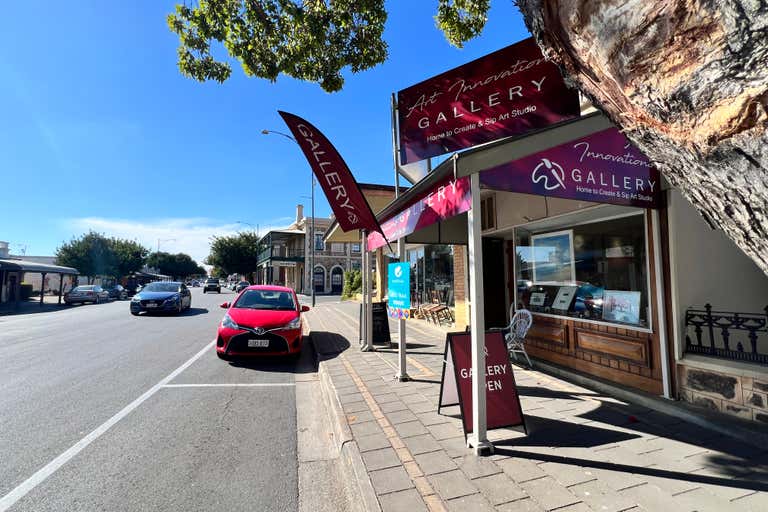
{"points": [[100, 131]]}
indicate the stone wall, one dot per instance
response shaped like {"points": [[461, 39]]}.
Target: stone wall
{"points": [[724, 391]]}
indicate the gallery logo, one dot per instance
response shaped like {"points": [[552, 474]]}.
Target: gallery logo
{"points": [[550, 173], [398, 271]]}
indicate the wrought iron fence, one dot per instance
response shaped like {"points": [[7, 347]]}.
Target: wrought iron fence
{"points": [[730, 335]]}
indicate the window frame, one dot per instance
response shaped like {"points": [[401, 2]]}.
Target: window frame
{"points": [[649, 329]]}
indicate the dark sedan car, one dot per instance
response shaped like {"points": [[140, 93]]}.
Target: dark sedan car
{"points": [[117, 292], [166, 296]]}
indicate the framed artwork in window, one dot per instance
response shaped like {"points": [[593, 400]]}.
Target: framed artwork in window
{"points": [[553, 260]]}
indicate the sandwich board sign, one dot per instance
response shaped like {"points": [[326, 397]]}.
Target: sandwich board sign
{"points": [[503, 407]]}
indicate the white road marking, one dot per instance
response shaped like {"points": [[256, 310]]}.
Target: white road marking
{"points": [[30, 483], [236, 385]]}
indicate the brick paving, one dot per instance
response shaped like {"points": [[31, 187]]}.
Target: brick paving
{"points": [[584, 451]]}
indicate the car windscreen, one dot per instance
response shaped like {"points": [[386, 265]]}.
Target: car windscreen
{"points": [[161, 287], [84, 289], [264, 299], [212, 281]]}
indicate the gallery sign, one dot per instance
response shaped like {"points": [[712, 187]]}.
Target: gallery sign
{"points": [[603, 168], [509, 92], [448, 198], [502, 401]]}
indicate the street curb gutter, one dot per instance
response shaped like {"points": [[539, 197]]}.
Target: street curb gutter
{"points": [[352, 461], [725, 426]]}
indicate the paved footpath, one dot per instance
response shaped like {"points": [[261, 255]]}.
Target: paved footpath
{"points": [[585, 451]]}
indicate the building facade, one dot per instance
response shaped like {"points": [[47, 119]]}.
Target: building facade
{"points": [[653, 299], [287, 258]]}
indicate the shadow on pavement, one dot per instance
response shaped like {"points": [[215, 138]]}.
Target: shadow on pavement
{"points": [[725, 481]]}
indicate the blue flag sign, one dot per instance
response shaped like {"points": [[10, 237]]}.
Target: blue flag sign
{"points": [[399, 290]]}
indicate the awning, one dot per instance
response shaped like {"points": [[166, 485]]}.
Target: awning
{"points": [[14, 265], [416, 209]]}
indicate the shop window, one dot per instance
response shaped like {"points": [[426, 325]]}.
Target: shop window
{"points": [[431, 275], [595, 271], [488, 213]]}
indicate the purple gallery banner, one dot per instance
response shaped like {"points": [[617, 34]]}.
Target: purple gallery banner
{"points": [[445, 200], [603, 167], [508, 92]]}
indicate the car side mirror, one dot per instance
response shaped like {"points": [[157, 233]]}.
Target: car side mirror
{"points": [[224, 305], [304, 309]]}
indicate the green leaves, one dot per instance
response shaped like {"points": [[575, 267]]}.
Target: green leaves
{"points": [[236, 254], [175, 265], [313, 40], [93, 254], [462, 20]]}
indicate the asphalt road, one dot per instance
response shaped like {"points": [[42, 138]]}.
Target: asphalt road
{"points": [[101, 410]]}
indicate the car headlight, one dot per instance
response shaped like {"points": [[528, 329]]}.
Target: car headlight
{"points": [[228, 322], [293, 324]]}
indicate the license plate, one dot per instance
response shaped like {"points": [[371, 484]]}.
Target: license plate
{"points": [[258, 343], [151, 305]]}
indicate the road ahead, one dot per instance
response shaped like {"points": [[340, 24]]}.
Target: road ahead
{"points": [[101, 410]]}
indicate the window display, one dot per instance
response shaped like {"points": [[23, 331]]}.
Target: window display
{"points": [[431, 274], [596, 270]]}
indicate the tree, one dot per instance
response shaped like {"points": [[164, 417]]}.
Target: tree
{"points": [[685, 80], [94, 255], [235, 254], [307, 40], [129, 256], [178, 266]]}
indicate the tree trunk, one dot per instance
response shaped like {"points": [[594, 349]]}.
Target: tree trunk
{"points": [[688, 82]]}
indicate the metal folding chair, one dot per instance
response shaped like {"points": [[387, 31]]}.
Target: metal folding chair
{"points": [[518, 329]]}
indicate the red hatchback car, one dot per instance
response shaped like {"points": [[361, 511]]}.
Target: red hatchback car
{"points": [[262, 320]]}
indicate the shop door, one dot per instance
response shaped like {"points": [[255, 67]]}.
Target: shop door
{"points": [[337, 280], [494, 286], [319, 280]]}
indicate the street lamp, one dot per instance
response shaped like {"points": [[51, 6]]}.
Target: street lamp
{"points": [[312, 230], [249, 224]]}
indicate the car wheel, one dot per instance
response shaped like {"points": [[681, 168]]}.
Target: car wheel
{"points": [[97, 301], [203, 291], [180, 308]]}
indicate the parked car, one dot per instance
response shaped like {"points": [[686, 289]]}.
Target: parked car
{"points": [[88, 293], [242, 285], [263, 320], [211, 285], [195, 283], [166, 296], [117, 292]]}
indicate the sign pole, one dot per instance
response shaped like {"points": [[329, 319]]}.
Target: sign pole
{"points": [[368, 303], [402, 369], [479, 438]]}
